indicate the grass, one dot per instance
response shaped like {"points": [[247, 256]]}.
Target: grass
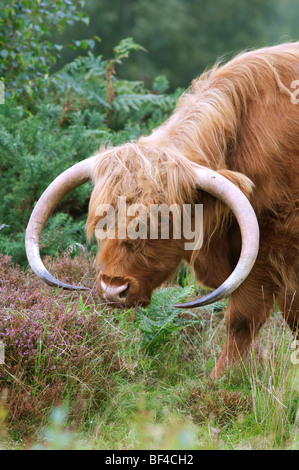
{"points": [[79, 374]]}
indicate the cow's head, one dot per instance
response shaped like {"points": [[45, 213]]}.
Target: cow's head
{"points": [[129, 272], [134, 255]]}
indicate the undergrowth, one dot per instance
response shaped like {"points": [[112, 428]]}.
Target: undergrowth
{"points": [[79, 374], [86, 107]]}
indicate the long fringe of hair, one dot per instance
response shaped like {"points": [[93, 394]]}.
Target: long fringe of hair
{"points": [[222, 113]]}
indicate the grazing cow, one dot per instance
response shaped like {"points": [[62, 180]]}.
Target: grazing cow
{"points": [[233, 138]]}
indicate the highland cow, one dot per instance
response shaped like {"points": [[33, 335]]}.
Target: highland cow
{"points": [[232, 145]]}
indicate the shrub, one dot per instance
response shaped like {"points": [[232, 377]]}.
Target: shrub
{"points": [[65, 347], [86, 107], [26, 53]]}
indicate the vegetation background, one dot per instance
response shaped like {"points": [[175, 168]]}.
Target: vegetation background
{"points": [[79, 75]]}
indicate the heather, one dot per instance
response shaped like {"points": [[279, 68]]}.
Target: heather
{"points": [[79, 374], [51, 341]]}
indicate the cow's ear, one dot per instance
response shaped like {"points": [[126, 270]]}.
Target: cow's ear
{"points": [[240, 180]]}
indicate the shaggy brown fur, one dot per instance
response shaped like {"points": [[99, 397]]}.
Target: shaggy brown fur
{"points": [[237, 119]]}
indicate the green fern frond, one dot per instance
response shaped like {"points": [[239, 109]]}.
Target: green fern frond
{"points": [[161, 321]]}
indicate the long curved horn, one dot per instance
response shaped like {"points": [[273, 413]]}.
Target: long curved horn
{"points": [[220, 187], [76, 175]]}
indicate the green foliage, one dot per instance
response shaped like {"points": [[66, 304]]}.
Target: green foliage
{"points": [[25, 50], [161, 84], [51, 121], [132, 379], [161, 322], [87, 106], [184, 37], [56, 436], [123, 49]]}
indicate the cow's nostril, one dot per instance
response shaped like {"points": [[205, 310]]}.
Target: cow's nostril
{"points": [[114, 293], [124, 292]]}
